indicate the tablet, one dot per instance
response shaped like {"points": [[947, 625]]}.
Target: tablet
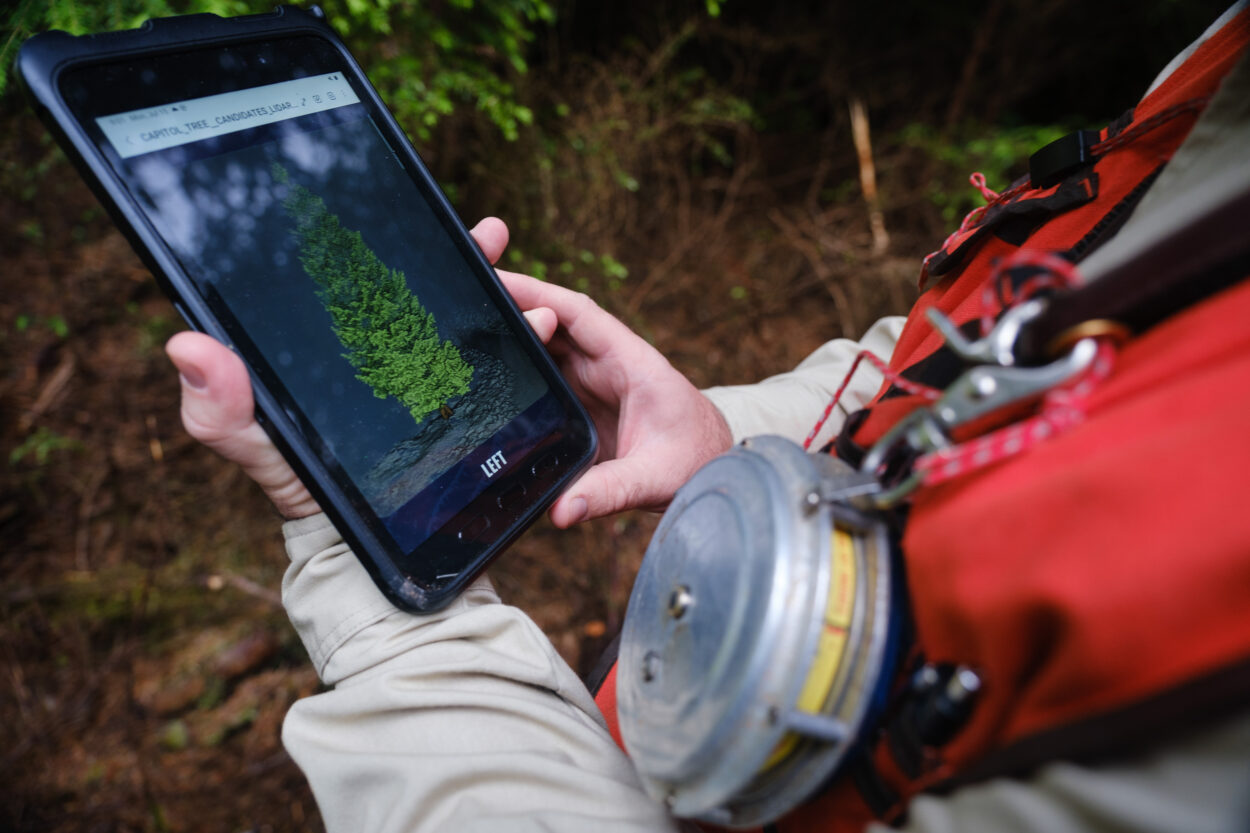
{"points": [[280, 206]]}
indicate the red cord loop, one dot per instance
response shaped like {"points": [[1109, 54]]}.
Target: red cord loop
{"points": [[1101, 148], [973, 217], [931, 394], [1055, 273], [978, 181], [1062, 409]]}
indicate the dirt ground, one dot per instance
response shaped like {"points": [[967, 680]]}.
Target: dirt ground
{"points": [[145, 661]]}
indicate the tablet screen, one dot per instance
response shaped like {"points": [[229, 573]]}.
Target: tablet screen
{"points": [[271, 182]]}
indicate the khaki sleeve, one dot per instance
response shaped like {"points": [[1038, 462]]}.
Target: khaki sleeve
{"points": [[790, 404], [466, 719]]}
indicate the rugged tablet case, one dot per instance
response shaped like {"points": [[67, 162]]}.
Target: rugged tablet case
{"points": [[40, 63]]}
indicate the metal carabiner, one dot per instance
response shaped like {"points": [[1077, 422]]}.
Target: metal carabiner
{"points": [[984, 390], [978, 393], [999, 344], [914, 435]]}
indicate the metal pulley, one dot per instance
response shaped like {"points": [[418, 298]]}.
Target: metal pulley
{"points": [[759, 638]]}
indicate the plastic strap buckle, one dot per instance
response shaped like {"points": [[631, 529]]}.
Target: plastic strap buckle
{"points": [[1061, 157]]}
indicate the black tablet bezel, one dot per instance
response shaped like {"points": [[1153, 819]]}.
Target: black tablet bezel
{"points": [[55, 64]]}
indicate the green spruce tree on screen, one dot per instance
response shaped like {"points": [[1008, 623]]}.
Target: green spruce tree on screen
{"points": [[389, 337]]}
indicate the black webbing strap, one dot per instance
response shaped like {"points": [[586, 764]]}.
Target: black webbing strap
{"points": [[599, 673], [1188, 239], [1173, 273]]}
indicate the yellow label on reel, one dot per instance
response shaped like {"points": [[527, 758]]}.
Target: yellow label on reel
{"points": [[842, 581], [839, 609]]}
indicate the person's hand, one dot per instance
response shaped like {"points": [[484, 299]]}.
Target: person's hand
{"points": [[217, 410], [217, 407], [655, 428]]}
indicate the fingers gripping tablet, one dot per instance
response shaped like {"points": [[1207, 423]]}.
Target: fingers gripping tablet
{"points": [[262, 180]]}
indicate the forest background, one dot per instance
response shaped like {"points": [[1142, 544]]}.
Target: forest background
{"points": [[689, 163]]}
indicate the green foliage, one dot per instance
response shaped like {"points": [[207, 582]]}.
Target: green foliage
{"points": [[392, 340], [655, 108], [426, 59], [41, 444], [175, 736], [154, 331], [999, 152], [55, 324], [620, 149], [609, 272]]}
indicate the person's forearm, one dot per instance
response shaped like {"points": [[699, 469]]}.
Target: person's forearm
{"points": [[790, 404], [464, 720]]}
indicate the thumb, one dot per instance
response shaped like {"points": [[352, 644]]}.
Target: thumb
{"points": [[216, 391], [543, 321], [609, 487], [217, 410], [491, 235]]}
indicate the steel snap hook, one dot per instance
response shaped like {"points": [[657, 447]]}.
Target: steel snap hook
{"points": [[998, 345]]}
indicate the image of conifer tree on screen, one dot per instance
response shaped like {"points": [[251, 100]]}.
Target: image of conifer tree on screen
{"points": [[390, 338]]}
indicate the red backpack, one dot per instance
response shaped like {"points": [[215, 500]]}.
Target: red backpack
{"points": [[1098, 582]]}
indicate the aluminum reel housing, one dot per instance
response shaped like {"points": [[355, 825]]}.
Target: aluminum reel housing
{"points": [[758, 634]]}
